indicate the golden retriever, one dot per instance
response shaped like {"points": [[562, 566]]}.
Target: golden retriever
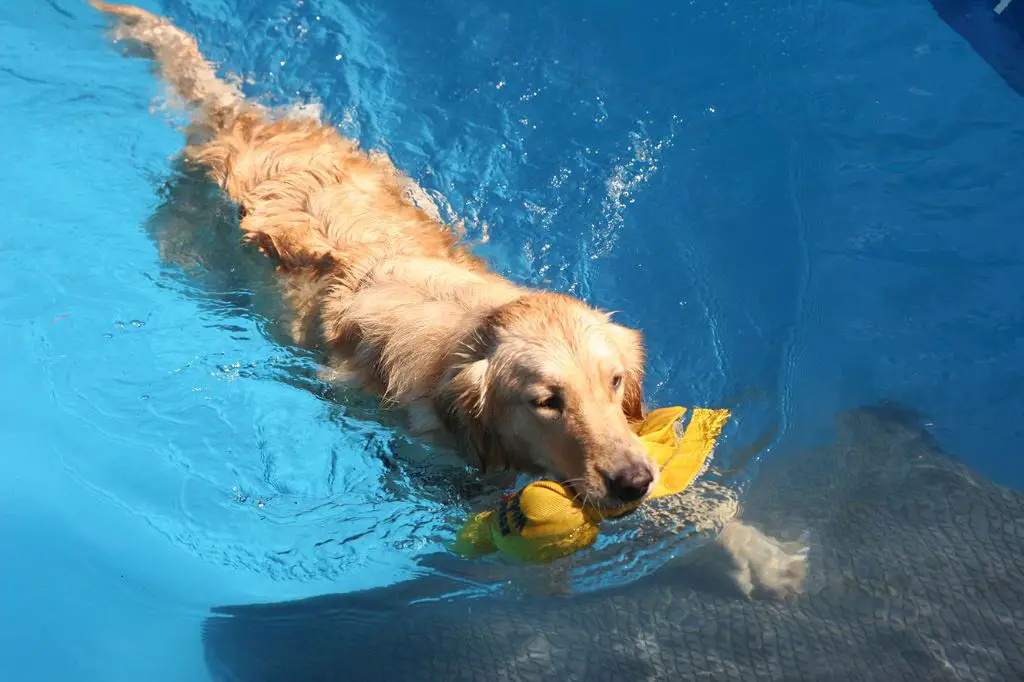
{"points": [[525, 380]]}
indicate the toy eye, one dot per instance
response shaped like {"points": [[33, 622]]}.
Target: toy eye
{"points": [[616, 382], [551, 402]]}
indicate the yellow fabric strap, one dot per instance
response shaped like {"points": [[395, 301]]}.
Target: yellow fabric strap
{"points": [[684, 460]]}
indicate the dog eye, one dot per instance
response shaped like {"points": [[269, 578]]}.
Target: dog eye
{"points": [[551, 402], [616, 382]]}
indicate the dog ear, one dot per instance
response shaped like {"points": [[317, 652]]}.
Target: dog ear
{"points": [[631, 345], [462, 400], [633, 395]]}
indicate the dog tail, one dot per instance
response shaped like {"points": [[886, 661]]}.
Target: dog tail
{"points": [[181, 64]]}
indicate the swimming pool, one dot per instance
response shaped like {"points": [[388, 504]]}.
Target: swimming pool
{"points": [[810, 208]]}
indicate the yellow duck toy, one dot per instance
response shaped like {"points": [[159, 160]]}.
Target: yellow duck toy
{"points": [[541, 522]]}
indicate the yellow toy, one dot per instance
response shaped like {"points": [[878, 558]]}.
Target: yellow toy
{"points": [[541, 523]]}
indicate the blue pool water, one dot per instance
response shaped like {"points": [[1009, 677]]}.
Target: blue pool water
{"points": [[806, 206]]}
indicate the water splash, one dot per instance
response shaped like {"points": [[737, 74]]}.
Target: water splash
{"points": [[629, 175]]}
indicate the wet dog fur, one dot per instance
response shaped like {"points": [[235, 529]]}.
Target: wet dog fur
{"points": [[517, 378]]}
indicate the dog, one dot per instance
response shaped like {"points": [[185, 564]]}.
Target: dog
{"points": [[516, 378]]}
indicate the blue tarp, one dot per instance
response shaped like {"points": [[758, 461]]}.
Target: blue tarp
{"points": [[995, 29]]}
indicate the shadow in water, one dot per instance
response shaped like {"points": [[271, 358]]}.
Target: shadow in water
{"points": [[917, 572]]}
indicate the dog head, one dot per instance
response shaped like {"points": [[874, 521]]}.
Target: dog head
{"points": [[548, 384]]}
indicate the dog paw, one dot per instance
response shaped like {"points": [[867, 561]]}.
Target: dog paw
{"points": [[423, 419], [763, 567]]}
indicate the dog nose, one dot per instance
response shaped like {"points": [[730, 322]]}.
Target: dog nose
{"points": [[630, 483]]}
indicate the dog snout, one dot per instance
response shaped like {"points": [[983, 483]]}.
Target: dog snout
{"points": [[630, 483]]}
